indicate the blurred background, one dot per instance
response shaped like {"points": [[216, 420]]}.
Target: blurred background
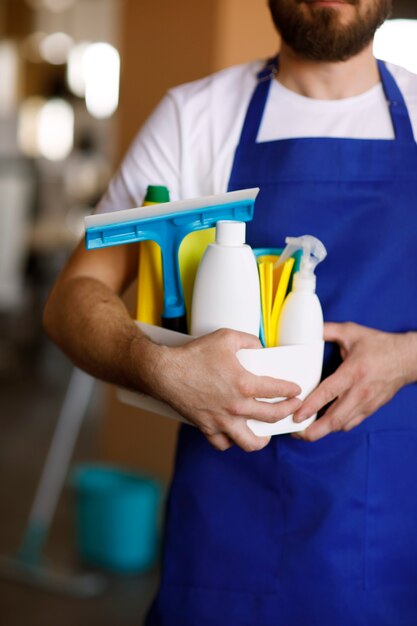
{"points": [[77, 79]]}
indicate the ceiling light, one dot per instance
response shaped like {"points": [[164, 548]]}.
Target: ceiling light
{"points": [[75, 69], [101, 72], [55, 48], [56, 129], [9, 72]]}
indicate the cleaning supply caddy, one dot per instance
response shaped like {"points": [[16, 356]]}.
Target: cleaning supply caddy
{"points": [[228, 291]]}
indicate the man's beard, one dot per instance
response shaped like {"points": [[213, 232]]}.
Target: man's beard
{"points": [[319, 36]]}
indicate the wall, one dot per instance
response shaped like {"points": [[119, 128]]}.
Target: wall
{"points": [[165, 43], [244, 31], [2, 19], [405, 9]]}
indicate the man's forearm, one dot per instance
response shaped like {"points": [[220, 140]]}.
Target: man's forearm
{"points": [[202, 380], [92, 326]]}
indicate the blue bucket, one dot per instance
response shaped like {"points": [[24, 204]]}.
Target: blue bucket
{"points": [[117, 518]]}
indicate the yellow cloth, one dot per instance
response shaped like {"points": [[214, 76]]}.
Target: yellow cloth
{"points": [[274, 287], [150, 281]]}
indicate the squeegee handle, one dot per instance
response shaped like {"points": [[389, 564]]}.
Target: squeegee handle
{"points": [[174, 306], [179, 324]]}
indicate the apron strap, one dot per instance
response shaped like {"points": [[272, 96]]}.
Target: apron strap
{"points": [[257, 104], [398, 110]]}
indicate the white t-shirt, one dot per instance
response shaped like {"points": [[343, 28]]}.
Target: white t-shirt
{"points": [[189, 141]]}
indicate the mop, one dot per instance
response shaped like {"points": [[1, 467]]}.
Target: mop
{"points": [[167, 224], [28, 566]]}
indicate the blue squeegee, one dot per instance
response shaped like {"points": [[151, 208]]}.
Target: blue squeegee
{"points": [[167, 224]]}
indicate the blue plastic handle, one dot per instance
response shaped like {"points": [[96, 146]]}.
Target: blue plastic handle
{"points": [[168, 231]]}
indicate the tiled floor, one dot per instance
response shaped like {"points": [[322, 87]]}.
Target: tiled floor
{"points": [[31, 391]]}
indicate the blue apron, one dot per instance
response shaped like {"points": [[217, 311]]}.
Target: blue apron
{"points": [[325, 533]]}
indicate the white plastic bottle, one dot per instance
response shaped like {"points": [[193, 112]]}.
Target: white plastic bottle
{"points": [[301, 320], [226, 289]]}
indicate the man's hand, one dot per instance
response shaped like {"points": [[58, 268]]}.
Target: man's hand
{"points": [[375, 366], [204, 381]]}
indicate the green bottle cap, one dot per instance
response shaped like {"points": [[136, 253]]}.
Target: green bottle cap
{"points": [[157, 193]]}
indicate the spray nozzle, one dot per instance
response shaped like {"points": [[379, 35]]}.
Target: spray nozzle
{"points": [[313, 253]]}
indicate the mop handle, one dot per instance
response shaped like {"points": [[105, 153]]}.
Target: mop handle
{"points": [[55, 469]]}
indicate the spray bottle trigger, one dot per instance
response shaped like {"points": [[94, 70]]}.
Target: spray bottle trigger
{"points": [[313, 249]]}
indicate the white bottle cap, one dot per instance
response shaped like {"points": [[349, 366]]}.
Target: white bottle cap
{"points": [[229, 233]]}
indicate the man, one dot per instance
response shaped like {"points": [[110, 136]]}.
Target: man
{"points": [[297, 532]]}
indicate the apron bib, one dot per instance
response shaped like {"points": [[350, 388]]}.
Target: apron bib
{"points": [[312, 533]]}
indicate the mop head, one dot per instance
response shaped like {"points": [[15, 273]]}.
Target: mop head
{"points": [[44, 578]]}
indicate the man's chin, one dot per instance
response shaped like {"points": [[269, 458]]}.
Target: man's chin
{"points": [[330, 31]]}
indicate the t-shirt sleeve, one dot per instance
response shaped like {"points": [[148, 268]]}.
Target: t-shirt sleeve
{"points": [[153, 159]]}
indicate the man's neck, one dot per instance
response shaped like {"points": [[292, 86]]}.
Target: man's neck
{"points": [[328, 81]]}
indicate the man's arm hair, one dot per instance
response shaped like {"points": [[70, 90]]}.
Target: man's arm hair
{"points": [[86, 317]]}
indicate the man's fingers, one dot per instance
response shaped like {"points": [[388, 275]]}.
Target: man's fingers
{"points": [[331, 421], [326, 392], [342, 333], [270, 412], [220, 441], [348, 412], [317, 430], [243, 437], [354, 422], [333, 331], [344, 414], [268, 387], [242, 340]]}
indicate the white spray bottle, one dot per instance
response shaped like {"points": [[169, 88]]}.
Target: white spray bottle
{"points": [[226, 290], [301, 320]]}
